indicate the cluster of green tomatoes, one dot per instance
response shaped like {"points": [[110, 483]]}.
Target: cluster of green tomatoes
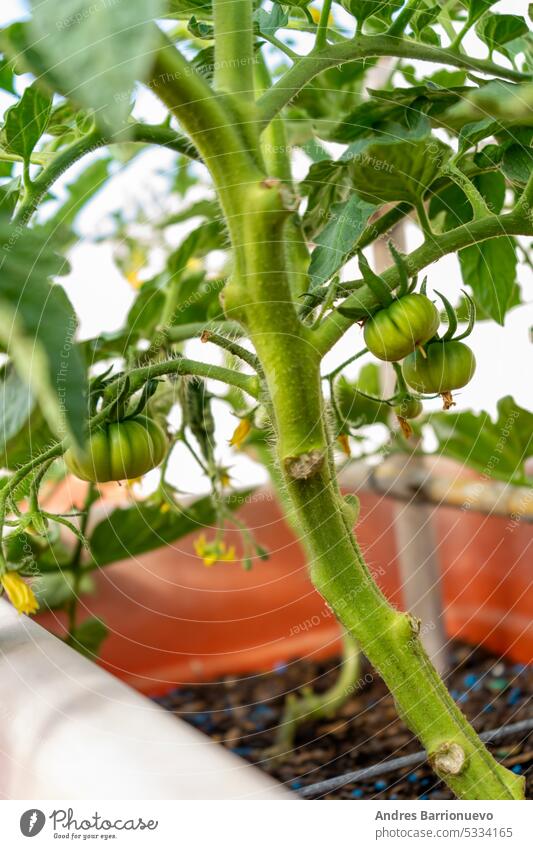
{"points": [[405, 330]]}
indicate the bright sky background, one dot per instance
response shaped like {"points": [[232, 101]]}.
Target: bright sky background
{"points": [[102, 297]]}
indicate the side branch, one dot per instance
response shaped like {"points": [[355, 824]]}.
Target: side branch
{"points": [[366, 47], [138, 132], [362, 302]]}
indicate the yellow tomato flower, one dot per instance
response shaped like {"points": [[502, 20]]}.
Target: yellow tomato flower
{"points": [[213, 552], [240, 433], [19, 593]]}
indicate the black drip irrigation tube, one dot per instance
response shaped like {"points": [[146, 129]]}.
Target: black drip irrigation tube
{"points": [[397, 763]]}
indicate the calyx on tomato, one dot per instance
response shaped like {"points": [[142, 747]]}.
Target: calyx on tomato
{"points": [[119, 450], [404, 322]]}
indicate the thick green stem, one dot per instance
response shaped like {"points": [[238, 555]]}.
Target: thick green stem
{"points": [[224, 134], [234, 56], [390, 641], [277, 157], [388, 638]]}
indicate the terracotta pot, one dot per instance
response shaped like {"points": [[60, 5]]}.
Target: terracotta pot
{"points": [[173, 620]]}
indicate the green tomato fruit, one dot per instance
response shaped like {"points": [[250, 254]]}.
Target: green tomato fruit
{"points": [[409, 407], [447, 366], [119, 451], [394, 332]]}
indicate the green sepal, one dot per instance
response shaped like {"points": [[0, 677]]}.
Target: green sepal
{"points": [[375, 283]]}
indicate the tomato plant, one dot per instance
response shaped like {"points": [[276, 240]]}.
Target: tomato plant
{"points": [[253, 257]]}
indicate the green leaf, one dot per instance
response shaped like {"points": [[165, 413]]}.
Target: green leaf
{"points": [[26, 121], [423, 19], [23, 429], [357, 408], [517, 163], [183, 8], [200, 30], [471, 134], [492, 188], [130, 531], [209, 236], [54, 589], [9, 195], [490, 270], [346, 223], [363, 9], [37, 326], [326, 183], [6, 77], [78, 193], [396, 170], [89, 636], [268, 23], [476, 8], [497, 30], [146, 310], [498, 448], [95, 52]]}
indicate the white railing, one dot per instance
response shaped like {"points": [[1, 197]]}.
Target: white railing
{"points": [[69, 730]]}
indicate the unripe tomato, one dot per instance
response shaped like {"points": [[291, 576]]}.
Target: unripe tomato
{"points": [[119, 450], [447, 366], [393, 332], [409, 407]]}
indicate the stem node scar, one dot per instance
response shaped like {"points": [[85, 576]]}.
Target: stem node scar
{"points": [[305, 465], [448, 759]]}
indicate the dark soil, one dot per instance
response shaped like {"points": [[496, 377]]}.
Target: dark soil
{"points": [[242, 714]]}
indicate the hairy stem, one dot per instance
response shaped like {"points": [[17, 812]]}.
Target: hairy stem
{"points": [[338, 570], [365, 47], [234, 47]]}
